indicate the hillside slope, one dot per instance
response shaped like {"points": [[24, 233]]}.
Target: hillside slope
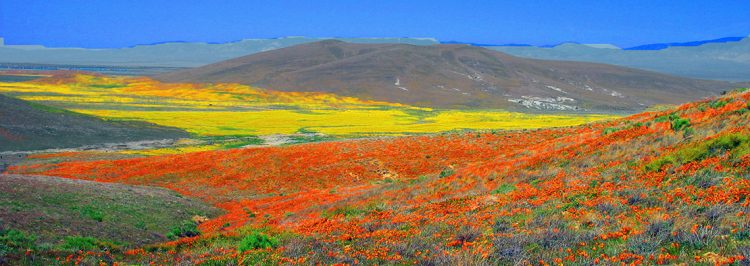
{"points": [[666, 187], [59, 212], [29, 126], [451, 76]]}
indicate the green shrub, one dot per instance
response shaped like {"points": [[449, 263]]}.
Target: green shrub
{"points": [[186, 229], [257, 240], [15, 242], [4, 251], [80, 243], [657, 164], [609, 130], [717, 104], [728, 142], [504, 189], [92, 213], [680, 123], [447, 172], [14, 239]]}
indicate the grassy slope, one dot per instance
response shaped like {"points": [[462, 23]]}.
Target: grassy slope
{"points": [[29, 126], [119, 216], [663, 187]]}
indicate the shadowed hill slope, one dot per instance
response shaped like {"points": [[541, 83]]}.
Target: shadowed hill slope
{"points": [[29, 126]]}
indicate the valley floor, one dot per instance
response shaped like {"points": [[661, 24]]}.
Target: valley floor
{"points": [[237, 110]]}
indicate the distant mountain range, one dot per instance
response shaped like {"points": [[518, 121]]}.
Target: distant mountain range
{"points": [[710, 60], [719, 59], [171, 54], [661, 46], [461, 76], [652, 46]]}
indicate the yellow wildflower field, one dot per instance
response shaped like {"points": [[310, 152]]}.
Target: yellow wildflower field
{"points": [[342, 122], [234, 109]]}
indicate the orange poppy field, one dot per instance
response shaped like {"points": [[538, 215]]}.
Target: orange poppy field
{"points": [[666, 187]]}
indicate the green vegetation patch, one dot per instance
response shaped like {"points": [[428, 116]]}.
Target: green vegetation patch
{"points": [[242, 142], [609, 130], [93, 213], [676, 121], [298, 139], [349, 211], [680, 124], [257, 240], [446, 172], [346, 211], [504, 189], [736, 143], [187, 228], [716, 104], [55, 208], [12, 240]]}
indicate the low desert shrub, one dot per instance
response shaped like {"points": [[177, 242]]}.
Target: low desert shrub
{"points": [[257, 240], [680, 124], [447, 172], [717, 104], [80, 243], [92, 213], [609, 130], [185, 229]]}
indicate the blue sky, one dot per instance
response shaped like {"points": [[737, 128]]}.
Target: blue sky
{"points": [[84, 23]]}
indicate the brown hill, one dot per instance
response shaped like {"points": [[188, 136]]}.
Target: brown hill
{"points": [[452, 76]]}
